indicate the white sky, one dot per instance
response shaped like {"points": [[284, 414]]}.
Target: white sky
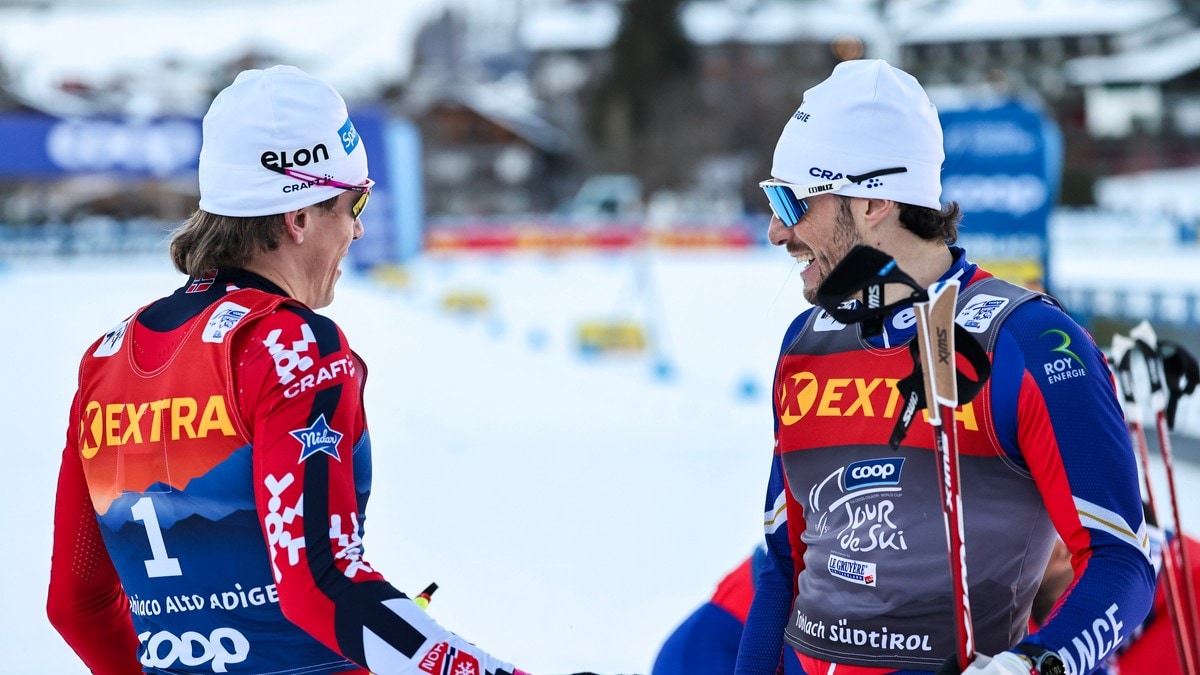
{"points": [[572, 511]]}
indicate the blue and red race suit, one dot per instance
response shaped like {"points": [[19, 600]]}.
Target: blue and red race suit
{"points": [[706, 643], [1152, 649], [861, 576], [211, 500]]}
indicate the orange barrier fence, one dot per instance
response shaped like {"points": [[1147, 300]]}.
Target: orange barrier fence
{"points": [[503, 238]]}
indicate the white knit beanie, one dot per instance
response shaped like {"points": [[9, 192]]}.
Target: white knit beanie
{"points": [[866, 116], [280, 117]]}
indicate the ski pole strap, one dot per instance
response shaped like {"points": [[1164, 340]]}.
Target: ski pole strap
{"points": [[876, 276], [1146, 343], [1122, 353], [912, 388], [1181, 372]]}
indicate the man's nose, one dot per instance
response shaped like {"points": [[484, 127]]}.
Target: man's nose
{"points": [[777, 233]]}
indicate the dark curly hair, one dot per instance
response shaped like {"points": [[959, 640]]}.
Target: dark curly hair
{"points": [[930, 224], [926, 223]]}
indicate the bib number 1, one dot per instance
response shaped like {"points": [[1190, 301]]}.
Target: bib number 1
{"points": [[161, 565]]}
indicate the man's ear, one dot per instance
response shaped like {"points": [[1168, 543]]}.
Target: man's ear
{"points": [[296, 224], [871, 212], [879, 209]]}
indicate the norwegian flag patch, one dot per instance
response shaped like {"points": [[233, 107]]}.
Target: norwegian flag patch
{"points": [[203, 282]]}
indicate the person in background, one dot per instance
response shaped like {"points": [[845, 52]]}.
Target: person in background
{"points": [[210, 505], [706, 643], [861, 579], [1148, 649], [1151, 649]]}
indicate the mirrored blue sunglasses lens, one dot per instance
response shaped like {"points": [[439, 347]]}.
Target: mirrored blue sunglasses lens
{"points": [[785, 205]]}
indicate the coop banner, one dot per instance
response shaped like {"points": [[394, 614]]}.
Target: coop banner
{"points": [[36, 145], [1003, 162], [41, 148]]}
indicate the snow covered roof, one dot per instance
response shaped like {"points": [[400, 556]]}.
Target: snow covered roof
{"points": [[355, 47], [1163, 190], [508, 103], [593, 25], [168, 57], [966, 20], [584, 26], [711, 22], [1153, 64]]}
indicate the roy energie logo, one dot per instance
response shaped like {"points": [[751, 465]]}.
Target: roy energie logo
{"points": [[1066, 366]]}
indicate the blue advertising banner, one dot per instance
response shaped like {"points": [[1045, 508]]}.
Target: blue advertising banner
{"points": [[1003, 167], [44, 148], [40, 146]]}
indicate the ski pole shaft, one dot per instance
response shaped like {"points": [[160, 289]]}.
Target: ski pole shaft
{"points": [[935, 332], [1191, 626]]}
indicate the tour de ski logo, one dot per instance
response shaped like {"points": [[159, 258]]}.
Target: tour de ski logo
{"points": [[319, 437], [855, 505], [223, 320], [979, 314], [112, 340]]}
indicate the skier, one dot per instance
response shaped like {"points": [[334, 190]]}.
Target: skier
{"points": [[706, 643], [855, 527], [210, 504], [1149, 649]]}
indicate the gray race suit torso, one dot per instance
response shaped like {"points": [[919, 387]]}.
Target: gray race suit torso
{"points": [[874, 587]]}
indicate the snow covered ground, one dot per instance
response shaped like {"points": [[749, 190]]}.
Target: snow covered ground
{"points": [[572, 510]]}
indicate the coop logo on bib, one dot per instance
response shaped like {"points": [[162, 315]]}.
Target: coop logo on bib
{"points": [[884, 471], [221, 647]]}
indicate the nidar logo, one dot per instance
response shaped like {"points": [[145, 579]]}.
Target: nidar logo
{"points": [[319, 437]]}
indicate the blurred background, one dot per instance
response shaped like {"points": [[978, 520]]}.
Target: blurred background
{"points": [[584, 124], [571, 185]]}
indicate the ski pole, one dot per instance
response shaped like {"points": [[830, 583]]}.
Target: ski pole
{"points": [[936, 384], [1122, 351], [422, 600], [1147, 344], [935, 333]]}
